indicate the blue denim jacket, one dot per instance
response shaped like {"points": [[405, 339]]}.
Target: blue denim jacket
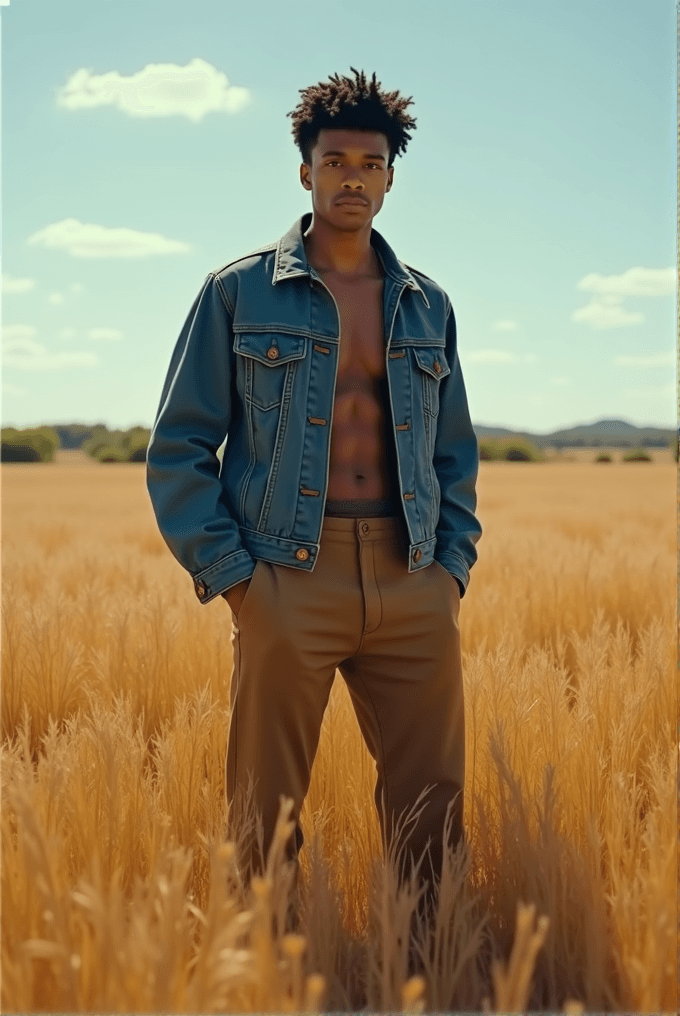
{"points": [[256, 363]]}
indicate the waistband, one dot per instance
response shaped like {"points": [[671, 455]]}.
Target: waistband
{"points": [[386, 527], [361, 509]]}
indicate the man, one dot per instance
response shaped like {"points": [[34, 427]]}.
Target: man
{"points": [[340, 527]]}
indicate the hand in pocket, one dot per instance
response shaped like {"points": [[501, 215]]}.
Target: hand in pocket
{"points": [[236, 595]]}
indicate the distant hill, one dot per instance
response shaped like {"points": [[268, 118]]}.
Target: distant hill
{"points": [[611, 433]]}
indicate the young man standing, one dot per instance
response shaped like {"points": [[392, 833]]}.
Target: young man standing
{"points": [[341, 526]]}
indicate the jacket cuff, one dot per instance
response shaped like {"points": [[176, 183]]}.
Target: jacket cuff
{"points": [[225, 573]]}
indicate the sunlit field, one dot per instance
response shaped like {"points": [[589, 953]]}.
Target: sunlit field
{"points": [[119, 892]]}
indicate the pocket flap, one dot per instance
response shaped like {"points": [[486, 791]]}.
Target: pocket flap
{"points": [[432, 360], [270, 348]]}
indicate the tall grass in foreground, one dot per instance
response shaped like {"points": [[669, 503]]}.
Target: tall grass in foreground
{"points": [[119, 892]]}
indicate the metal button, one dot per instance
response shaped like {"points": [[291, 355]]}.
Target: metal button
{"points": [[417, 554], [365, 527], [302, 554], [272, 353], [201, 587], [437, 367]]}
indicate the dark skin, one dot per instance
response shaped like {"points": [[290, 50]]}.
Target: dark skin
{"points": [[337, 243]]}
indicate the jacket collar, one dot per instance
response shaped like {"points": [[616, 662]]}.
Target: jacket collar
{"points": [[291, 258]]}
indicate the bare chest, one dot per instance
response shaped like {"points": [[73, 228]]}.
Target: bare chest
{"points": [[362, 343]]}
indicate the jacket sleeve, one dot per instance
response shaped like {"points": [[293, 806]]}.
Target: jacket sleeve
{"points": [[456, 463], [182, 468]]}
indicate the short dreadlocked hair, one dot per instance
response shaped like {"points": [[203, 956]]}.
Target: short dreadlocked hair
{"points": [[343, 103]]}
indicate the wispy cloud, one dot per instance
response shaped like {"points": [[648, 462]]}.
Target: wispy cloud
{"points": [[162, 89], [504, 325], [95, 334], [499, 356], [651, 360], [91, 240], [633, 282], [31, 355], [106, 334], [56, 298], [19, 349], [12, 285], [607, 313], [17, 332], [605, 310]]}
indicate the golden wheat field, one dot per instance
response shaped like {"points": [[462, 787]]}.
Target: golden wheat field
{"points": [[119, 892]]}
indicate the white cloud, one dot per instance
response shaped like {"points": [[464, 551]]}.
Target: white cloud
{"points": [[56, 298], [504, 325], [76, 287], [162, 89], [30, 355], [652, 360], [499, 356], [17, 332], [633, 282], [90, 240], [604, 310], [12, 285], [606, 313], [19, 349], [105, 333]]}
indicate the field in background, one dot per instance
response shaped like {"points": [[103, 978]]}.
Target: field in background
{"points": [[118, 892]]}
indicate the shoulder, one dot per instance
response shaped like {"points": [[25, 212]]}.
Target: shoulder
{"points": [[256, 263], [434, 292], [253, 260]]}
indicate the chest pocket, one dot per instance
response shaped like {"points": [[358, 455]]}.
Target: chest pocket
{"points": [[269, 363], [432, 367]]}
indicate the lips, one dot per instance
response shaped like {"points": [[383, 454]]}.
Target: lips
{"points": [[351, 201]]}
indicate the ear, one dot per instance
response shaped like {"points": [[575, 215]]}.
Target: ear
{"points": [[390, 178], [304, 177]]}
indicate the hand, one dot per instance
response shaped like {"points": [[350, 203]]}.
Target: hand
{"points": [[236, 594]]}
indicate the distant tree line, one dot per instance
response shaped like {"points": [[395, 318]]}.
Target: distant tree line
{"points": [[106, 445], [38, 444], [33, 444]]}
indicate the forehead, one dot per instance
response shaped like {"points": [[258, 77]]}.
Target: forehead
{"points": [[341, 139]]}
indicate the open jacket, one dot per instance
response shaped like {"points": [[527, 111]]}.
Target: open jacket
{"points": [[256, 364]]}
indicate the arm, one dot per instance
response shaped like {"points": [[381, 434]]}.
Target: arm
{"points": [[456, 462], [182, 474]]}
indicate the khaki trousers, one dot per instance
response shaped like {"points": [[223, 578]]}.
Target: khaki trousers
{"points": [[394, 637]]}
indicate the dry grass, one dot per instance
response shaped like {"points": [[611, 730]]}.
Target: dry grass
{"points": [[118, 890]]}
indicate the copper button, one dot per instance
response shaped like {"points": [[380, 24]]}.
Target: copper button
{"points": [[437, 367], [200, 587], [302, 554], [417, 554], [364, 527], [272, 352]]}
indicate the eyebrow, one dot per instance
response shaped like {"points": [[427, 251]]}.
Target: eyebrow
{"points": [[325, 154]]}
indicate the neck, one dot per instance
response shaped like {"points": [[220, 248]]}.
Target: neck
{"points": [[341, 251]]}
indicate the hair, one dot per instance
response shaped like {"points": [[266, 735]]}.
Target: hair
{"points": [[341, 102]]}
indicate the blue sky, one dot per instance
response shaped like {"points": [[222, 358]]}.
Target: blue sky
{"points": [[538, 189]]}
